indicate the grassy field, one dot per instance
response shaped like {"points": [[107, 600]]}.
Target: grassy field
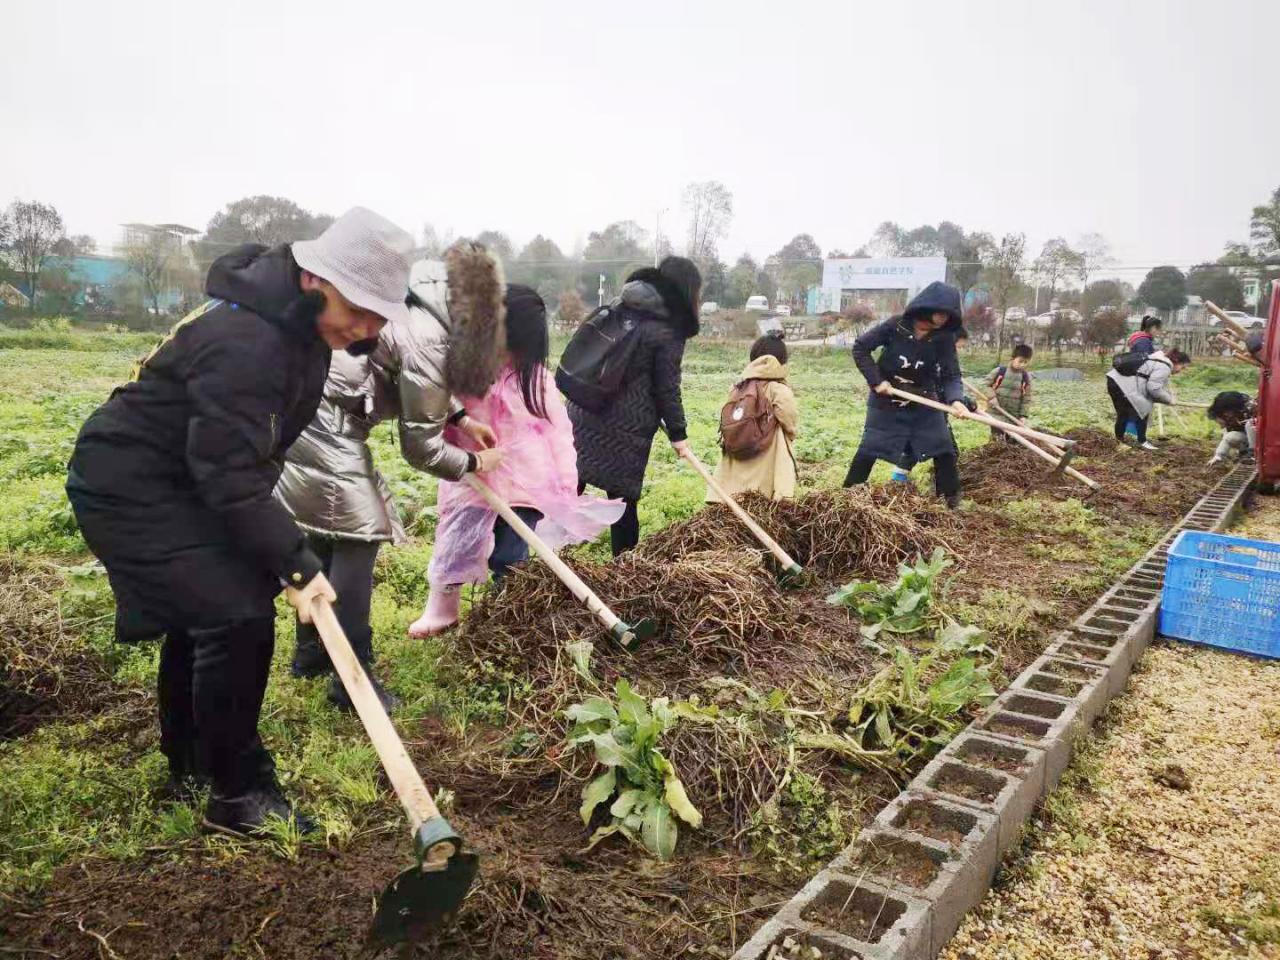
{"points": [[80, 769]]}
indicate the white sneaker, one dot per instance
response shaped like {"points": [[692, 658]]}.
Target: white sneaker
{"points": [[1148, 446]]}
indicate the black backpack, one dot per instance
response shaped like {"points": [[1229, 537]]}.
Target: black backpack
{"points": [[593, 364], [1129, 363]]}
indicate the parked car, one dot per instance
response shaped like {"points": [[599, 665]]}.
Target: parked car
{"points": [[709, 307], [758, 304], [1246, 320], [782, 310], [1015, 315]]}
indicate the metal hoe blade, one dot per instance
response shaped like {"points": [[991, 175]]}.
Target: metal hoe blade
{"points": [[419, 901]]}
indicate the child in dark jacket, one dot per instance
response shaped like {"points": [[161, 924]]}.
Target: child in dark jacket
{"points": [[917, 355], [1237, 414]]}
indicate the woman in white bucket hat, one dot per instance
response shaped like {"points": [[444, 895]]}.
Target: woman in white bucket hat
{"points": [[171, 481]]}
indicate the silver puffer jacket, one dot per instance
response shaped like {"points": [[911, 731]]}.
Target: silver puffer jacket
{"points": [[329, 483]]}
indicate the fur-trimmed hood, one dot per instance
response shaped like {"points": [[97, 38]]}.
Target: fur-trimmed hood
{"points": [[649, 291]]}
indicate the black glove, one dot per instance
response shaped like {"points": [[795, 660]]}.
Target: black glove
{"points": [[970, 403]]}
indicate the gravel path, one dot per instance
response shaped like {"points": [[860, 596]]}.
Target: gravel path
{"points": [[1164, 840]]}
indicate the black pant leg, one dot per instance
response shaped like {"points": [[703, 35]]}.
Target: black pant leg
{"points": [[173, 695], [1124, 409], [859, 470], [946, 475], [229, 679], [509, 547], [1141, 426], [309, 657], [350, 565], [625, 532]]}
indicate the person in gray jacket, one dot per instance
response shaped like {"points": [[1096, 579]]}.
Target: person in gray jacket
{"points": [[330, 484], [1134, 397]]}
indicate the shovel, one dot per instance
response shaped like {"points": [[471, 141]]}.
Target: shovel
{"points": [[791, 571], [430, 892], [628, 635]]}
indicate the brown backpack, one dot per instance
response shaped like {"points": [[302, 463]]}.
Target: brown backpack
{"points": [[747, 421]]}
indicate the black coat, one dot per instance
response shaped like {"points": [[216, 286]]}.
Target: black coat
{"points": [[171, 478], [613, 445], [898, 430]]}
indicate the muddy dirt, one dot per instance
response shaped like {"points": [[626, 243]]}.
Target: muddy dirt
{"points": [[900, 862], [540, 895], [921, 819]]}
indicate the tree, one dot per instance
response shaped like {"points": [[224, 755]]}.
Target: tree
{"points": [[794, 268], [542, 266], [148, 257], [965, 252], [710, 208], [1062, 329], [715, 281], [435, 243], [614, 251], [1211, 282], [572, 309], [1164, 288], [269, 221], [1103, 293], [1002, 274], [77, 246], [34, 231], [1105, 327], [1056, 262], [1264, 225], [1095, 253], [741, 282], [497, 243]]}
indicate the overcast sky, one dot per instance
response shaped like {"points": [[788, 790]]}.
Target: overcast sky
{"points": [[1147, 122]]}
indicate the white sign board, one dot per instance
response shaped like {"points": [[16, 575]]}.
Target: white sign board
{"points": [[887, 273]]}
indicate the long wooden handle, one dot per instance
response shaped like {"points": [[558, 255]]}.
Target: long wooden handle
{"points": [[784, 558], [1056, 443], [1227, 322], [545, 553], [1042, 454], [404, 777], [982, 418], [1160, 419]]}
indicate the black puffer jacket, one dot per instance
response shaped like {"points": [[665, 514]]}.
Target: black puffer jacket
{"points": [[613, 446], [171, 478]]}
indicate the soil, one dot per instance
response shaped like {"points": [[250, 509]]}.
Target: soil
{"points": [[1058, 686], [900, 862], [962, 785], [996, 760], [539, 894], [920, 820], [866, 918], [1071, 671], [1008, 728]]}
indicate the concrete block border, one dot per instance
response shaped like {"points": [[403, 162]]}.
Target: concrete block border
{"points": [[930, 855]]}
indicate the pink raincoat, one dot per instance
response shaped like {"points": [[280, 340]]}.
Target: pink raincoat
{"points": [[539, 470]]}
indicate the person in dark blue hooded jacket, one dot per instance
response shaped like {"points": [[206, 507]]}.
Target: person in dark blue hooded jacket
{"points": [[917, 355]]}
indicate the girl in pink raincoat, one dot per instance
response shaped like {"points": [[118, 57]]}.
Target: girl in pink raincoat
{"points": [[538, 475]]}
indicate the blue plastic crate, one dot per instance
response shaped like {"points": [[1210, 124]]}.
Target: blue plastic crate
{"points": [[1223, 591]]}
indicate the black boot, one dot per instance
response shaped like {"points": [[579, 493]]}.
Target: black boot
{"points": [[245, 813], [953, 501], [309, 656], [362, 644]]}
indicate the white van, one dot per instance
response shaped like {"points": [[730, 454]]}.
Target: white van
{"points": [[709, 307], [758, 303]]}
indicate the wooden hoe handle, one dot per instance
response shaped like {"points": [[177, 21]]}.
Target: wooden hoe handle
{"points": [[424, 818], [612, 622], [785, 559], [982, 418]]}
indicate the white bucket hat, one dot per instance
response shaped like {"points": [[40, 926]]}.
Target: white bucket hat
{"points": [[366, 257]]}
